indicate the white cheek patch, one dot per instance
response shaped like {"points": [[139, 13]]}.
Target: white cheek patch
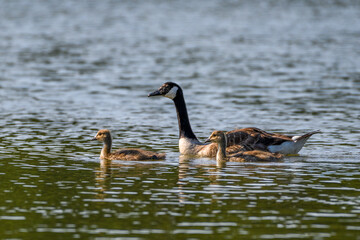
{"points": [[172, 93]]}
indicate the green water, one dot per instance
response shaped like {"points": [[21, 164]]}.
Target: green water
{"points": [[70, 68], [292, 199]]}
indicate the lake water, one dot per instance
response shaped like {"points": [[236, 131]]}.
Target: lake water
{"points": [[69, 68]]}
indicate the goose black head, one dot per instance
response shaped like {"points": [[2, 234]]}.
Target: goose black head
{"points": [[168, 89]]}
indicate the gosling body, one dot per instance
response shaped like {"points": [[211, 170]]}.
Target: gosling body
{"points": [[127, 154]]}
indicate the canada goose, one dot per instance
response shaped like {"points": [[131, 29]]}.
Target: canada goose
{"points": [[245, 138], [104, 135], [219, 138]]}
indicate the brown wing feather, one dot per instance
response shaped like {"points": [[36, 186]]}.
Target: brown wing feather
{"points": [[254, 138], [236, 148]]}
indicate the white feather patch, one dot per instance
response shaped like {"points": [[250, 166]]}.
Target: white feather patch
{"points": [[288, 147], [172, 93], [294, 138]]}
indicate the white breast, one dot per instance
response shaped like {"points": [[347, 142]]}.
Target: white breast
{"points": [[189, 146]]}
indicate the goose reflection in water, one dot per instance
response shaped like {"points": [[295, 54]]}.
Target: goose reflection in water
{"points": [[189, 169]]}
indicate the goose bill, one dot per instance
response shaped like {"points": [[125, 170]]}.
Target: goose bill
{"points": [[155, 93]]}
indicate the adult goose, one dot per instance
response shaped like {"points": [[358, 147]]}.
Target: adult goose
{"points": [[219, 138], [131, 154], [237, 140]]}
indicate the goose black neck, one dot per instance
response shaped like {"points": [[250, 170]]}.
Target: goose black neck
{"points": [[183, 118]]}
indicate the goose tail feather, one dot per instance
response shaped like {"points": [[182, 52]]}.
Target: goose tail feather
{"points": [[305, 136]]}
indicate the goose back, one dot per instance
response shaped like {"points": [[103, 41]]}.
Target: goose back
{"points": [[255, 138]]}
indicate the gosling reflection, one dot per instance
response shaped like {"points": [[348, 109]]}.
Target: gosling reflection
{"points": [[110, 172], [103, 177]]}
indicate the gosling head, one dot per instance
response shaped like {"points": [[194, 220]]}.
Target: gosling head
{"points": [[102, 135], [216, 137], [168, 89]]}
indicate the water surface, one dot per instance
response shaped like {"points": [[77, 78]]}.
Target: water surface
{"points": [[70, 68]]}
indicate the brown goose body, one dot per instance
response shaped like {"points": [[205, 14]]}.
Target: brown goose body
{"points": [[129, 154], [245, 139], [220, 138]]}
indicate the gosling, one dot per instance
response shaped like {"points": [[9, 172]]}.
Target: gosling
{"points": [[132, 154], [219, 137]]}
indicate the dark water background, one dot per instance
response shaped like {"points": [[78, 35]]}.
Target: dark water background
{"points": [[69, 68]]}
